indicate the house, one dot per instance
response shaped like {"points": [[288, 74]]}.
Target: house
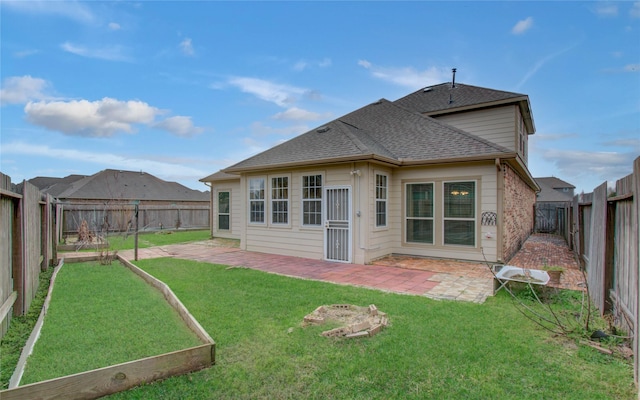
{"points": [[553, 206], [441, 172], [107, 200]]}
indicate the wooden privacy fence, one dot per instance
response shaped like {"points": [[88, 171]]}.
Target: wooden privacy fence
{"points": [[119, 217], [27, 246], [607, 241], [553, 218]]}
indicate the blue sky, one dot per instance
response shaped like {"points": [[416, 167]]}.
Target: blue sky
{"points": [[183, 89]]}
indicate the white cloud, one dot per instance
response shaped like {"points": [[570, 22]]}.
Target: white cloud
{"points": [[302, 64], [259, 129], [187, 47], [114, 26], [164, 170], [597, 166], [606, 10], [69, 9], [102, 118], [21, 89], [112, 53], [298, 114], [539, 64], [634, 12], [25, 53], [522, 26], [364, 63], [179, 126], [407, 76], [279, 94], [632, 68]]}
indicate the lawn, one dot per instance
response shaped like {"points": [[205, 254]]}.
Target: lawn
{"points": [[432, 349], [102, 315], [159, 238]]}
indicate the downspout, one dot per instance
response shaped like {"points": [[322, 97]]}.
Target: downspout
{"points": [[500, 211], [357, 173], [361, 246], [210, 207]]}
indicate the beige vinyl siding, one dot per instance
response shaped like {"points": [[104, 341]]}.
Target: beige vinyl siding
{"points": [[294, 239], [381, 240], [523, 138], [235, 220], [368, 241], [484, 174], [498, 125]]}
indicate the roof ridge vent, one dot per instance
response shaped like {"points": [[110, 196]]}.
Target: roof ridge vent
{"points": [[323, 129]]}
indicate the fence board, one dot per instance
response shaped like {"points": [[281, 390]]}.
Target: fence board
{"points": [[596, 259], [26, 245], [608, 240], [120, 217], [635, 187], [7, 201], [32, 242]]}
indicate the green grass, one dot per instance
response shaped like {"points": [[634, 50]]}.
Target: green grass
{"points": [[103, 315], [161, 238], [14, 340], [431, 349]]}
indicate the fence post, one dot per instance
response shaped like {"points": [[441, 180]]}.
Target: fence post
{"points": [[636, 231], [18, 256]]}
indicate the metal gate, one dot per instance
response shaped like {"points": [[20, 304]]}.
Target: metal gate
{"points": [[337, 225]]}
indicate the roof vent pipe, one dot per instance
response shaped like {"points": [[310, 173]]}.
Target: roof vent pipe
{"points": [[453, 82]]}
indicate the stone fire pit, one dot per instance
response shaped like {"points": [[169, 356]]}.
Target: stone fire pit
{"points": [[358, 321]]}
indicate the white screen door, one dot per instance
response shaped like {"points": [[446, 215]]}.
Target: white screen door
{"points": [[337, 225]]}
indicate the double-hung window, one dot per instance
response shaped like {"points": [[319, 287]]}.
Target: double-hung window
{"points": [[419, 213], [280, 200], [256, 200], [381, 200], [460, 213], [312, 200], [223, 210]]}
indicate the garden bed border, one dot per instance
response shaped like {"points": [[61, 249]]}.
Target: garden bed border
{"points": [[120, 377]]}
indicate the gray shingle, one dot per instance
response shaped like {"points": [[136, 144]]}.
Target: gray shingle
{"points": [[112, 184], [443, 97], [381, 129]]}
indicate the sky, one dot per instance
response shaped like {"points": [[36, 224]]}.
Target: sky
{"points": [[183, 89]]}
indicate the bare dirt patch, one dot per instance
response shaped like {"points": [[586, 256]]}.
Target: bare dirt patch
{"points": [[355, 321]]}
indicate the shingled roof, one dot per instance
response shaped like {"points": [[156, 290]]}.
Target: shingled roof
{"points": [[118, 185], [550, 190], [382, 131], [445, 99]]}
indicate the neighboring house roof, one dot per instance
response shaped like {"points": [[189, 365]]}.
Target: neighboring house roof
{"points": [[382, 131], [445, 99], [219, 176], [550, 190], [119, 185], [55, 186]]}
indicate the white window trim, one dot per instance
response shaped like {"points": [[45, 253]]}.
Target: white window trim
{"points": [[303, 200], [475, 213], [406, 218], [218, 213], [385, 201], [271, 200], [263, 200]]}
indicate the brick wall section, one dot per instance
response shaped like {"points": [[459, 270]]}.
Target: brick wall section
{"points": [[518, 218]]}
